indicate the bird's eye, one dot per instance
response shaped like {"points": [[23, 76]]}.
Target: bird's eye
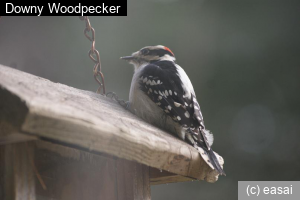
{"points": [[145, 51]]}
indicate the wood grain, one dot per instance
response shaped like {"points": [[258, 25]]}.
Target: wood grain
{"points": [[158, 177], [70, 174], [82, 119], [18, 181]]}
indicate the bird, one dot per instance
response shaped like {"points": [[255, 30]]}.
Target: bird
{"points": [[162, 94]]}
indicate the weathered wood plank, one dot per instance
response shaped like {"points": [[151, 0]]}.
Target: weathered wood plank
{"points": [[158, 177], [11, 118], [84, 119], [133, 180], [73, 174], [18, 181]]}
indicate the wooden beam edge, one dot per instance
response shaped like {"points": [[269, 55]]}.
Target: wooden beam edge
{"points": [[182, 159]]}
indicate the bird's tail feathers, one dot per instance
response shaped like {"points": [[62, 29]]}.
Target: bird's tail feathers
{"points": [[211, 158], [216, 162]]}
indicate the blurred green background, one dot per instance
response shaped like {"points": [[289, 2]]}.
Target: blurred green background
{"points": [[242, 57]]}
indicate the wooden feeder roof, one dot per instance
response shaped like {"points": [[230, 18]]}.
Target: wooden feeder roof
{"points": [[36, 108]]}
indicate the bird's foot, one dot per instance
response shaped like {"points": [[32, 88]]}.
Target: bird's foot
{"points": [[124, 104]]}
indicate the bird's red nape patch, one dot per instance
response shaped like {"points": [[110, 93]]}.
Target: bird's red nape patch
{"points": [[169, 50]]}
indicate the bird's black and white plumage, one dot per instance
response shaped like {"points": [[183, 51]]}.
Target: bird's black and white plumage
{"points": [[162, 94]]}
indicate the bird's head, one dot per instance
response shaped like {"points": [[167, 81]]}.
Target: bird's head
{"points": [[150, 54]]}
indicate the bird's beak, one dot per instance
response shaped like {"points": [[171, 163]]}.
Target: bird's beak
{"points": [[134, 56], [128, 58]]}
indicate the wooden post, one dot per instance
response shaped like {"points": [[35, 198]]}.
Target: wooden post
{"points": [[18, 182]]}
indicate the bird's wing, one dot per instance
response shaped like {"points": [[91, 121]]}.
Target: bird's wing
{"points": [[165, 89], [198, 116]]}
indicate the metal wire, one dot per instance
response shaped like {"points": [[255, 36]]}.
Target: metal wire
{"points": [[94, 55]]}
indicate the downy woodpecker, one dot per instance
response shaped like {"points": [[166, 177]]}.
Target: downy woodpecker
{"points": [[162, 94]]}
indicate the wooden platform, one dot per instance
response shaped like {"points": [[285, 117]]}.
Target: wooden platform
{"points": [[57, 116]]}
